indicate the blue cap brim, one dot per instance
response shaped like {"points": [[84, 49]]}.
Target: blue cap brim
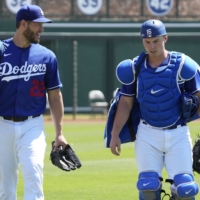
{"points": [[42, 20]]}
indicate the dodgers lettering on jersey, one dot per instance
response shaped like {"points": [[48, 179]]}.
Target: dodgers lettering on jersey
{"points": [[25, 75], [26, 71]]}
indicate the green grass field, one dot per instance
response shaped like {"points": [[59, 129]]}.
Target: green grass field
{"points": [[102, 176]]}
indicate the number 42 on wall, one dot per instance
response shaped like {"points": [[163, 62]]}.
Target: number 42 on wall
{"points": [[159, 7]]}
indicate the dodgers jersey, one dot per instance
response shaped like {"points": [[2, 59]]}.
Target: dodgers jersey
{"points": [[25, 76]]}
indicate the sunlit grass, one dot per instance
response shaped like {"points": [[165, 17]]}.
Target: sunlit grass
{"points": [[103, 176]]}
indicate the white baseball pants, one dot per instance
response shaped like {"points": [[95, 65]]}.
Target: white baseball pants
{"points": [[171, 149], [22, 143]]}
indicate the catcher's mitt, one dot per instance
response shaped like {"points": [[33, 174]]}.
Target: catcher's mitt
{"points": [[196, 155], [189, 105], [64, 159]]}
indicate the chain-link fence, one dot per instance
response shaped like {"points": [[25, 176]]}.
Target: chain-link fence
{"points": [[112, 10]]}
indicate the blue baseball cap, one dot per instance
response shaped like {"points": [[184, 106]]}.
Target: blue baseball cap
{"points": [[31, 13], [152, 28]]}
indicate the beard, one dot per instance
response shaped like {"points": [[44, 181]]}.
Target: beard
{"points": [[30, 36]]}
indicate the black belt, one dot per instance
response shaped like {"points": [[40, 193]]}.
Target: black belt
{"points": [[168, 128], [19, 119]]}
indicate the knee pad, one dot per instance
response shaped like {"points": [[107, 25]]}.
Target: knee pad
{"points": [[149, 186], [184, 187]]}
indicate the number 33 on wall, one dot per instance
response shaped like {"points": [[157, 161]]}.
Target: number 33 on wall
{"points": [[159, 7], [15, 5], [89, 7]]}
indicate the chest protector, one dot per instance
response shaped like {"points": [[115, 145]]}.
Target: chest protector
{"points": [[158, 92]]}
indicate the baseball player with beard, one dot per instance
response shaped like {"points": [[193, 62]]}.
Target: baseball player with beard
{"points": [[27, 72], [163, 138]]}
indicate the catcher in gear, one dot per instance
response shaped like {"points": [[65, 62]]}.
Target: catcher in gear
{"points": [[65, 159], [167, 90]]}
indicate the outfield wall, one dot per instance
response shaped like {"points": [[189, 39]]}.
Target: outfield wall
{"points": [[100, 47]]}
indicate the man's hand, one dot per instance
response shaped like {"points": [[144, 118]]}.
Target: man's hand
{"points": [[115, 145], [60, 141]]}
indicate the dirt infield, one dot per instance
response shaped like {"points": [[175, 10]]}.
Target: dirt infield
{"points": [[80, 118], [85, 118]]}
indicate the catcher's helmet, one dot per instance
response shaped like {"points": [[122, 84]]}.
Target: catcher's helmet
{"points": [[152, 28]]}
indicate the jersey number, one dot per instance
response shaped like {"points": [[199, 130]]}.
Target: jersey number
{"points": [[37, 89]]}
